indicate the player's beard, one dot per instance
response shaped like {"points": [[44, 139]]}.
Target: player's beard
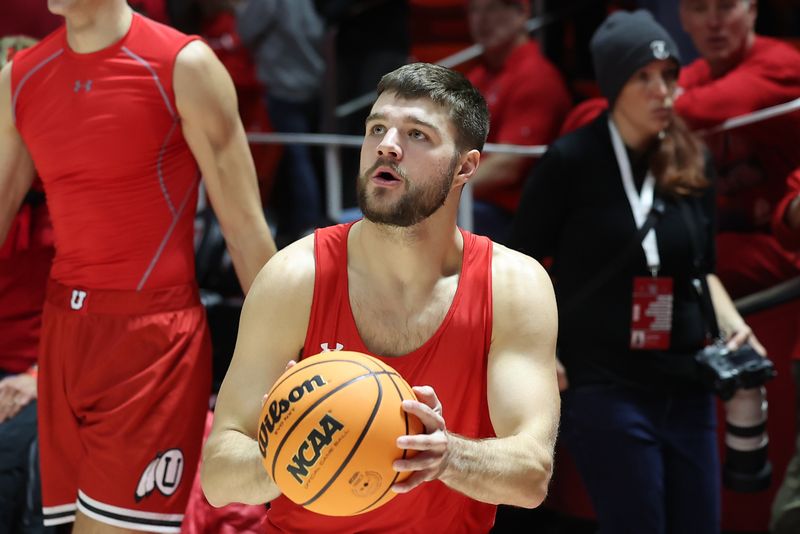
{"points": [[416, 204]]}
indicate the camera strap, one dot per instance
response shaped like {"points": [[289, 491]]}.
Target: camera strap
{"points": [[614, 266], [700, 283], [641, 203]]}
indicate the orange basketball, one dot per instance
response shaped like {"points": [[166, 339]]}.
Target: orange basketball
{"points": [[328, 432]]}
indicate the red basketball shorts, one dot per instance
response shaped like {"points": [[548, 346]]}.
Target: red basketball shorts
{"points": [[124, 382]]}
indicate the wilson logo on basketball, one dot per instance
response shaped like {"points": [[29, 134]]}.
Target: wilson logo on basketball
{"points": [[317, 440], [278, 408]]}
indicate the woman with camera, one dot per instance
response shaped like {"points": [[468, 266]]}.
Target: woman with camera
{"points": [[625, 208]]}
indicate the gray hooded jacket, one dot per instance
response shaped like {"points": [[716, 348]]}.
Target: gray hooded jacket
{"points": [[285, 37]]}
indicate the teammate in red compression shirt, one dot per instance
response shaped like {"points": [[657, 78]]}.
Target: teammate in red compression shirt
{"points": [[407, 282], [117, 112]]}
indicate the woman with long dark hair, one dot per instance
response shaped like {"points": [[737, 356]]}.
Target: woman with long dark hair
{"points": [[625, 208]]}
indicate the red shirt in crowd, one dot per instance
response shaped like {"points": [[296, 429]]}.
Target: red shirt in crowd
{"points": [[788, 237], [527, 100], [753, 161]]}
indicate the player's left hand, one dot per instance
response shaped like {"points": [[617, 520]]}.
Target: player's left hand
{"points": [[16, 392], [431, 459]]}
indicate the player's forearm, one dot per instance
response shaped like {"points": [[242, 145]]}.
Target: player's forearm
{"points": [[250, 248], [506, 470], [231, 471], [237, 203]]}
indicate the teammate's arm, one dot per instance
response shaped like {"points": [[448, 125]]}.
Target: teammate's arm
{"points": [[524, 402], [206, 101], [16, 166], [272, 331]]}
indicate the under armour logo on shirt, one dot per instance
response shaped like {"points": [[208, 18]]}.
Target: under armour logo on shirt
{"points": [[326, 348], [86, 86]]}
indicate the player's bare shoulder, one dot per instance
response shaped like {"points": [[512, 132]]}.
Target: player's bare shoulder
{"points": [[517, 273], [521, 288], [199, 76], [204, 91], [195, 56], [288, 274]]}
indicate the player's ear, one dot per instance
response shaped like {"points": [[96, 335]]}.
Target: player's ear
{"points": [[468, 165]]}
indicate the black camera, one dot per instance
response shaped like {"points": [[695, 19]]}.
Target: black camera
{"points": [[737, 377], [725, 371]]}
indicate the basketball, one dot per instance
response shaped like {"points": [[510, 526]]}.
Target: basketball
{"points": [[327, 432]]}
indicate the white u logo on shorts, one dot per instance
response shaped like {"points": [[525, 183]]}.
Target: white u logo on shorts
{"points": [[78, 296], [163, 473]]}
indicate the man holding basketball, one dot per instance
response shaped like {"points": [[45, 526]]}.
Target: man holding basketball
{"points": [[472, 324], [117, 113]]}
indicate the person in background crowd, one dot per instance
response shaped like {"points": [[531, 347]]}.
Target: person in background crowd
{"points": [[527, 100], [739, 73], [636, 416], [785, 518], [286, 37]]}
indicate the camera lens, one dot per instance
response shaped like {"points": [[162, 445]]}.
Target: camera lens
{"points": [[747, 467]]}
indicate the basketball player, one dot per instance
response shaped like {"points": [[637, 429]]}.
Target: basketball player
{"points": [[471, 323], [116, 112]]}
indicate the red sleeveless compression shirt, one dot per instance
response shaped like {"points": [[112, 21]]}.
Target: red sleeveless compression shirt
{"points": [[104, 133], [453, 361]]}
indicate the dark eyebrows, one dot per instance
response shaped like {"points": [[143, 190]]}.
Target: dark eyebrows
{"points": [[374, 117], [382, 117]]}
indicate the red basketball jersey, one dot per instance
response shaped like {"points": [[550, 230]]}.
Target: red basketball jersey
{"points": [[105, 135], [453, 361]]}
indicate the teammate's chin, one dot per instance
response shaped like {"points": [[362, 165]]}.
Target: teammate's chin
{"points": [[60, 7]]}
